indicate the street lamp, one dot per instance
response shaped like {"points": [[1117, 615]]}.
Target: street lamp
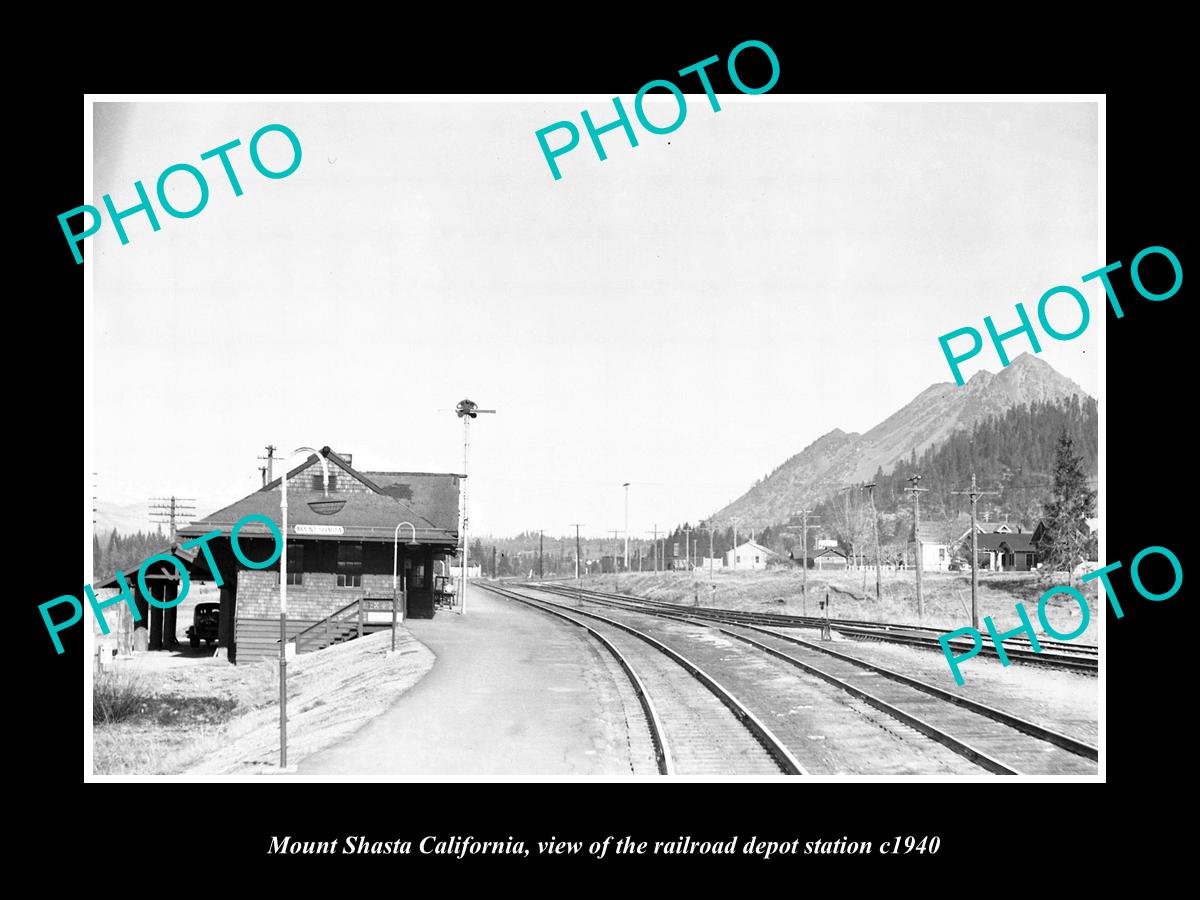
{"points": [[325, 506], [395, 560]]}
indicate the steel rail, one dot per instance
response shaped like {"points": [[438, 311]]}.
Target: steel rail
{"points": [[772, 744], [1082, 661], [1032, 729]]}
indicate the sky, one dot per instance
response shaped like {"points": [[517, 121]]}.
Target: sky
{"points": [[683, 316]]}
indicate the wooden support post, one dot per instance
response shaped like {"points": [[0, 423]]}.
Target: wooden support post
{"points": [[156, 619], [170, 616], [226, 623]]}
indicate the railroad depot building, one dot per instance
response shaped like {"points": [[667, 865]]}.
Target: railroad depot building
{"points": [[333, 559]]}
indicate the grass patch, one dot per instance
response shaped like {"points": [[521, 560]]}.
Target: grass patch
{"points": [[139, 731], [118, 697]]}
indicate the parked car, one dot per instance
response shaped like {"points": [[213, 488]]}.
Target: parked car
{"points": [[205, 619]]}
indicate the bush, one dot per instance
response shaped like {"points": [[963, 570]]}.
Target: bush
{"points": [[117, 696]]}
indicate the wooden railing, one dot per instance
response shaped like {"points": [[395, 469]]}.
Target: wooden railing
{"points": [[347, 623]]}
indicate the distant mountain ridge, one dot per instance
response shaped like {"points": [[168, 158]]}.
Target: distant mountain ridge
{"points": [[839, 458], [124, 518]]}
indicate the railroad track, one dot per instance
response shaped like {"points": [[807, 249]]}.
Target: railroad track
{"points": [[1055, 654], [996, 740], [698, 727]]}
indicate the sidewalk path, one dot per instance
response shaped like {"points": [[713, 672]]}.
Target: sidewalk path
{"points": [[513, 692]]}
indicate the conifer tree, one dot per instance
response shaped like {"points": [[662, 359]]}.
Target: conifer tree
{"points": [[1068, 541]]}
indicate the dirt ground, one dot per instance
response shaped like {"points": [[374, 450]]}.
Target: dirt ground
{"points": [[947, 595], [199, 715]]}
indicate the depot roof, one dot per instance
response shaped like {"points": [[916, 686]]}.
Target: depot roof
{"points": [[371, 512]]}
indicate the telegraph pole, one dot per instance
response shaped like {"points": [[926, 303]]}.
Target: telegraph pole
{"points": [[916, 492], [804, 526], [875, 527], [973, 493], [735, 520], [541, 555], [270, 467], [655, 533], [171, 510], [578, 583], [626, 486], [577, 526]]}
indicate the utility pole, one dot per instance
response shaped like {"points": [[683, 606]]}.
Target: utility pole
{"points": [[270, 467], [577, 526], [973, 493], [626, 486], [466, 410], [804, 526], [875, 527], [617, 546], [171, 510], [655, 533], [916, 492], [541, 554], [849, 526], [735, 520], [578, 583]]}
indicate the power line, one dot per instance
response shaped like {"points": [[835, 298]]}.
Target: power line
{"points": [[268, 471], [875, 527], [804, 513], [916, 492], [170, 510], [655, 545], [973, 494]]}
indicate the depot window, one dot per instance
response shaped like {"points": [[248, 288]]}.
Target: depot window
{"points": [[349, 565], [295, 563]]}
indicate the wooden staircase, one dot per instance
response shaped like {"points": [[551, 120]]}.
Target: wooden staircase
{"points": [[346, 624]]}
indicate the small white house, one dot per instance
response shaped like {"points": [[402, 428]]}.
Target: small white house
{"points": [[830, 558], [934, 551], [748, 556]]}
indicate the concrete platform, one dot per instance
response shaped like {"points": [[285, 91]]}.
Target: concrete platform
{"points": [[513, 692]]}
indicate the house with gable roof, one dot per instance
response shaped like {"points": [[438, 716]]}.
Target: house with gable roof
{"points": [[335, 558]]}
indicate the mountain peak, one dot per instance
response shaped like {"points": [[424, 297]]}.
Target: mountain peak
{"points": [[838, 458], [982, 377]]}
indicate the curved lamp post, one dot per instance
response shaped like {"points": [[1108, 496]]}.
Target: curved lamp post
{"points": [[395, 560], [326, 506]]}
